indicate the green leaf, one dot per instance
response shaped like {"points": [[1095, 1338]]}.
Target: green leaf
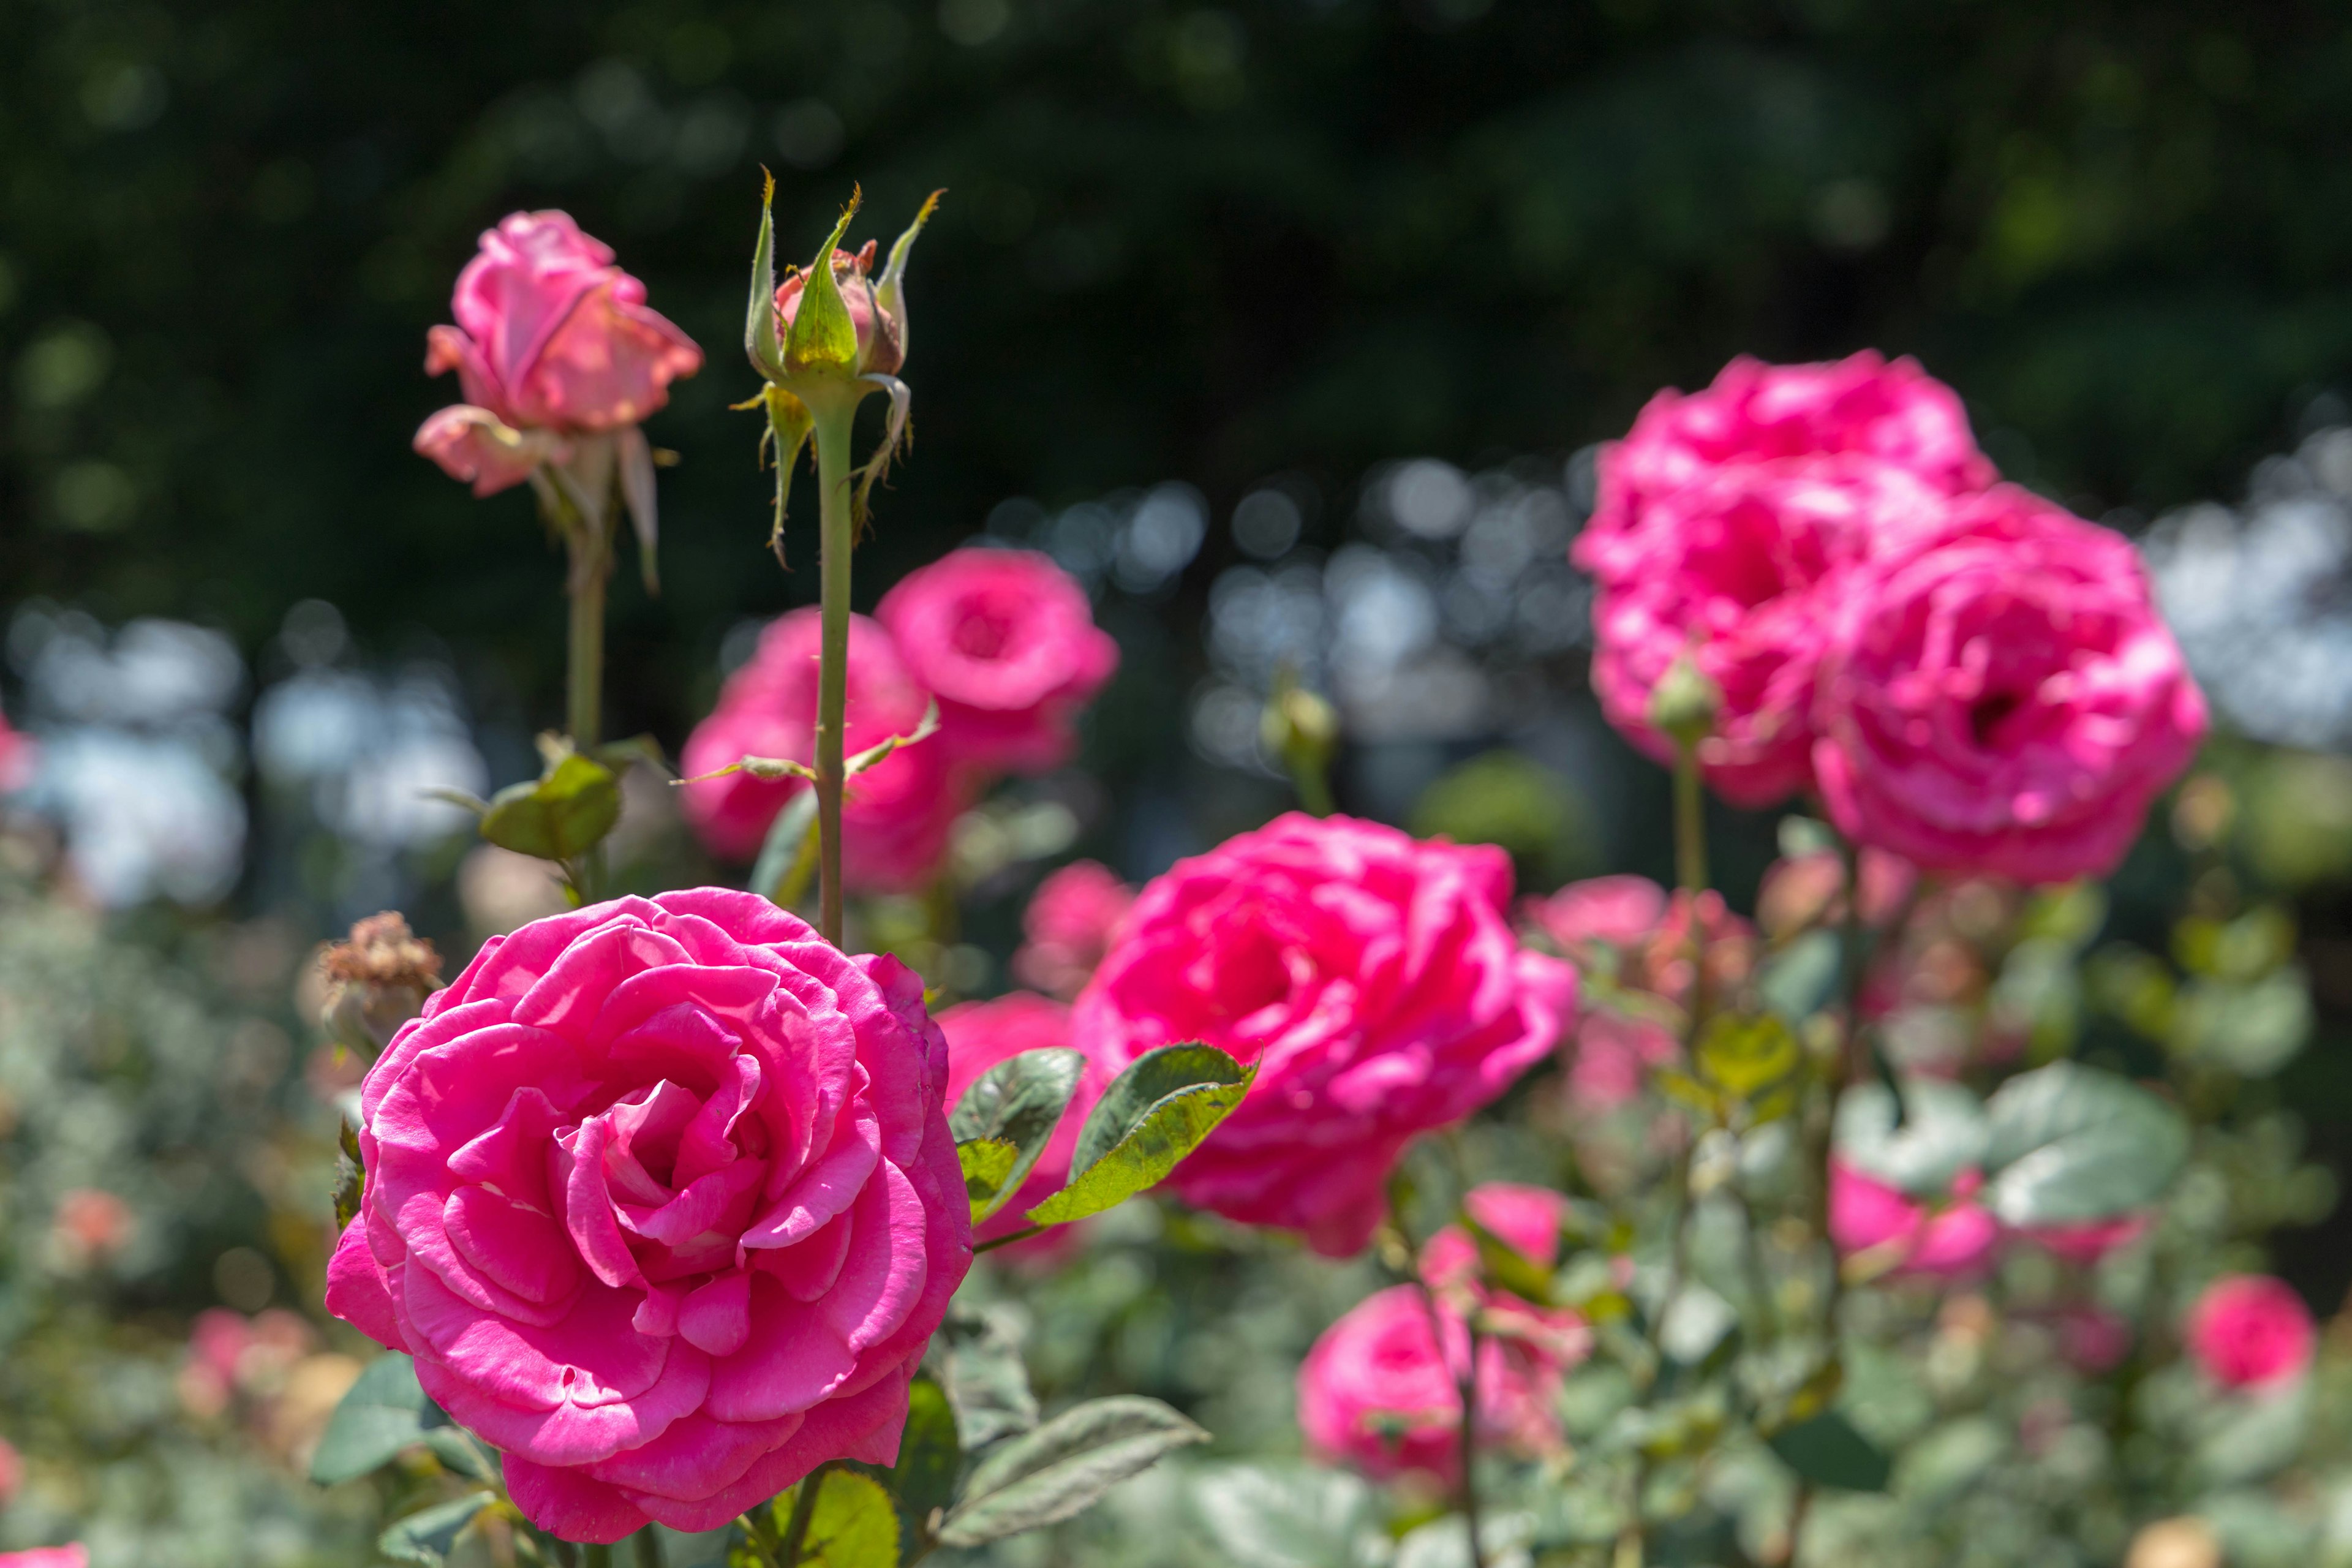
{"points": [[978, 1358], [1062, 1467], [1942, 1132], [1799, 981], [852, 1525], [1291, 1516], [427, 1537], [1018, 1103], [824, 337], [382, 1413], [987, 1171], [759, 345], [930, 1454], [1743, 1056], [1151, 1116], [1504, 1265], [2069, 1144], [463, 1453], [562, 814], [1828, 1451]]}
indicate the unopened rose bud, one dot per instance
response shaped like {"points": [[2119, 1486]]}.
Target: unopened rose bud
{"points": [[1302, 728], [1685, 703], [376, 981]]}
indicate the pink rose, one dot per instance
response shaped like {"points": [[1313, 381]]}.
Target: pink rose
{"points": [[1741, 569], [1809, 889], [1915, 1237], [1615, 1054], [17, 757], [74, 1556], [1373, 977], [2003, 698], [91, 1223], [1525, 1219], [2249, 1330], [661, 1197], [1068, 924], [1895, 414], [1376, 1393], [1619, 910], [881, 336], [982, 1034], [896, 815], [1008, 643]]}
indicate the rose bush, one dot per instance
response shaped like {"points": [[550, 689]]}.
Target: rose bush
{"points": [[661, 1197]]}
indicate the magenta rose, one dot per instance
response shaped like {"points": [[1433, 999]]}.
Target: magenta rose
{"points": [[1069, 926], [661, 1197], [896, 815], [1373, 977], [17, 757], [1007, 642], [73, 1556], [2003, 698], [2249, 1330], [1895, 414], [1376, 1391], [981, 1035], [1741, 570], [1909, 1235]]}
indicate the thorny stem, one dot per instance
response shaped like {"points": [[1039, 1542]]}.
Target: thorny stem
{"points": [[834, 418]]}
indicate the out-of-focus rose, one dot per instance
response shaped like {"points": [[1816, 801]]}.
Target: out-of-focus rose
{"points": [[1527, 1220], [896, 815], [881, 336], [1373, 977], [73, 1556], [983, 1034], [1895, 412], [1377, 1392], [1867, 1216], [2093, 1340], [11, 1472], [2003, 698], [2186, 1541], [1648, 933], [551, 339], [662, 1199], [2251, 1331], [17, 757], [230, 1354], [1068, 925], [2086, 1244], [1007, 642], [1619, 910], [1741, 573], [91, 1225], [1615, 1053], [1809, 889]]}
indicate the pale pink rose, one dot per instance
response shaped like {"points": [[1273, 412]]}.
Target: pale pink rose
{"points": [[1742, 570], [1615, 1054], [18, 755], [475, 446], [73, 1556], [2086, 1244], [1376, 1393], [1809, 889], [983, 1034], [1068, 925], [11, 1472], [881, 336], [661, 1196], [1373, 978], [1619, 910], [1648, 932], [1007, 642], [1755, 413], [2251, 1331], [1944, 1240], [2003, 698], [896, 815], [92, 1224]]}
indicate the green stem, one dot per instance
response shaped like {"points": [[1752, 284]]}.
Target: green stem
{"points": [[646, 1546], [591, 565], [1007, 1239], [803, 1508], [1314, 786], [834, 422], [594, 1556], [1690, 823], [1469, 1396]]}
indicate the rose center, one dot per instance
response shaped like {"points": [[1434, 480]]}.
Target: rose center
{"points": [[1988, 713], [981, 634]]}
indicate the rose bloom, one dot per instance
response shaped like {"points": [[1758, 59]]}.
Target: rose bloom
{"points": [[661, 1197], [92, 1224], [1809, 889], [1916, 1237], [73, 1556], [1895, 414], [2003, 699], [1615, 1054], [1373, 977], [981, 1035], [1007, 642], [1068, 925], [1376, 1393], [896, 815], [2251, 1331], [552, 340], [1648, 933], [1741, 570]]}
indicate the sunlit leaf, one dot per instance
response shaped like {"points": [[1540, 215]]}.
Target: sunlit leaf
{"points": [[1150, 1117], [560, 816], [1060, 1468], [2068, 1144], [1019, 1101]]}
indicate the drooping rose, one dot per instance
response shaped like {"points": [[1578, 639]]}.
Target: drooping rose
{"points": [[2251, 1331], [1373, 977], [1741, 570], [661, 1197], [1068, 925], [1894, 414], [1376, 1393], [1007, 642], [981, 1035], [2003, 698], [896, 815], [1909, 1235]]}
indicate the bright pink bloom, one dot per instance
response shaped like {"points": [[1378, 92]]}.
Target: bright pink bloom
{"points": [[1619, 910], [1615, 1054], [1755, 413], [1742, 569], [1946, 1240], [896, 815], [1006, 640], [983, 1034], [2088, 1242], [1373, 977], [1069, 923], [73, 1556], [1376, 1393], [661, 1197], [2005, 698], [2251, 1331]]}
